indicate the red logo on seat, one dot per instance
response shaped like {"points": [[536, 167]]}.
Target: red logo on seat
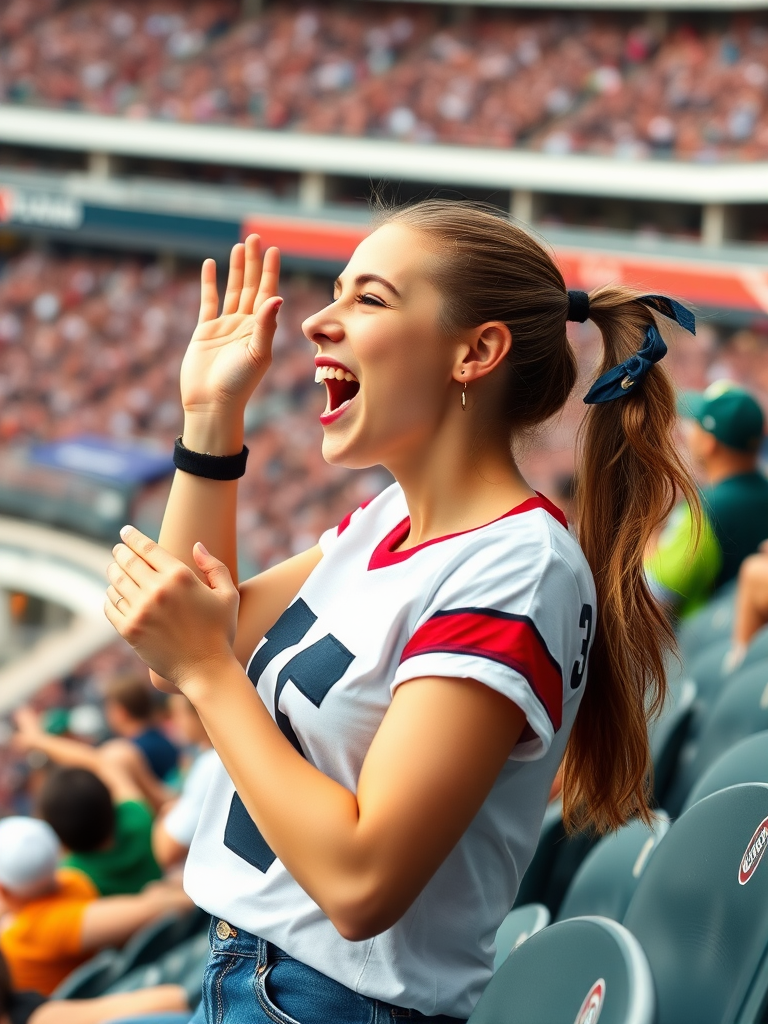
{"points": [[593, 1004], [754, 852]]}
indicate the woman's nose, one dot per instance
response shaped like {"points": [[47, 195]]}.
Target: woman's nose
{"points": [[322, 327]]}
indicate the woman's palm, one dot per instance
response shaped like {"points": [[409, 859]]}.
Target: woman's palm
{"points": [[229, 353]]}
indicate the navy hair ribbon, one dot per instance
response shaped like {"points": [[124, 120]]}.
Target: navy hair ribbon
{"points": [[622, 379]]}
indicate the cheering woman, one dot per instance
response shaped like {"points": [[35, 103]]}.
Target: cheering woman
{"points": [[392, 705]]}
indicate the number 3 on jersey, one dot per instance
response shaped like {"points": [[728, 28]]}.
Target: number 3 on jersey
{"points": [[585, 622], [313, 671]]}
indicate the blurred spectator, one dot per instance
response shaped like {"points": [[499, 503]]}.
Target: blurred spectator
{"points": [[751, 604], [130, 713], [96, 809], [55, 919], [20, 1007], [107, 834], [724, 428], [173, 830], [561, 81]]}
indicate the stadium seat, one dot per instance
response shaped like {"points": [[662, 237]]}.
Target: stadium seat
{"points": [[157, 938], [91, 978], [571, 973], [534, 882], [740, 710], [667, 735], [699, 910], [517, 926], [709, 672], [610, 873], [746, 761], [711, 623], [181, 966]]}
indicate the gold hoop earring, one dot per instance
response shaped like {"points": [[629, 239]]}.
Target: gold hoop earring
{"points": [[464, 398]]}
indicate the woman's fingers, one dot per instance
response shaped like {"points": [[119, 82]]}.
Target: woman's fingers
{"points": [[133, 565], [235, 279], [209, 293], [270, 277], [252, 275], [116, 599], [121, 582], [147, 553]]}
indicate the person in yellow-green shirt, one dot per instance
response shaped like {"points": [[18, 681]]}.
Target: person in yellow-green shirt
{"points": [[724, 428]]}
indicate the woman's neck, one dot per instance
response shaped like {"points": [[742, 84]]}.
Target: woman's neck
{"points": [[455, 490]]}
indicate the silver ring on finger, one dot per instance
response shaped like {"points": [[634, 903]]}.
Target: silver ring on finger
{"points": [[121, 598]]}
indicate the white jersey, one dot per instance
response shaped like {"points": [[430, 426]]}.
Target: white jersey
{"points": [[511, 604]]}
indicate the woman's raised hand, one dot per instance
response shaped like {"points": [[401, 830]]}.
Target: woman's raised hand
{"points": [[229, 354]]}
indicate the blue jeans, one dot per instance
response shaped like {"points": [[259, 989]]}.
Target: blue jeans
{"points": [[250, 981]]}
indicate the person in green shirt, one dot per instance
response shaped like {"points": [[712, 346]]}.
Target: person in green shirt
{"points": [[111, 842], [95, 808], [724, 428]]}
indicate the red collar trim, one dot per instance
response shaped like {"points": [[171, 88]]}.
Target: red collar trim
{"points": [[384, 553]]}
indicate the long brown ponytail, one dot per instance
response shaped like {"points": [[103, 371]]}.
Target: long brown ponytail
{"points": [[630, 473]]}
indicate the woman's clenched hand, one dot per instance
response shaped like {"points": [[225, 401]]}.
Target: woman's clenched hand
{"points": [[176, 623]]}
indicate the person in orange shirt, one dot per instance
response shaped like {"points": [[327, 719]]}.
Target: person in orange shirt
{"points": [[54, 920]]}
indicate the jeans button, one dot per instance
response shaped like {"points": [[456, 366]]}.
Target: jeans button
{"points": [[225, 931]]}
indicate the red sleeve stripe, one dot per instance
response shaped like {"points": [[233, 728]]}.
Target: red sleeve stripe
{"points": [[348, 517], [511, 640]]}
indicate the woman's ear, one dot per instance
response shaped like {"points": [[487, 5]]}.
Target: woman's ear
{"points": [[480, 353]]}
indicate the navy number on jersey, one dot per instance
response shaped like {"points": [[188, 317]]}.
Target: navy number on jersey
{"points": [[313, 671], [585, 621]]}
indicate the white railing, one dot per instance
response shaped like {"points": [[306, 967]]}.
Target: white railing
{"points": [[515, 169]]}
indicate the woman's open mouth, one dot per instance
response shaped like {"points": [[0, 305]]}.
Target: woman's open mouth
{"points": [[342, 387]]}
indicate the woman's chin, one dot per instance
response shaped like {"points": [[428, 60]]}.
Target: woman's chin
{"points": [[346, 453]]}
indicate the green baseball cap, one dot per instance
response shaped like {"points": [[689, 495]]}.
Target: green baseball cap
{"points": [[726, 411]]}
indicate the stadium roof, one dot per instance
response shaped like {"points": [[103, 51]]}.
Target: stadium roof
{"points": [[379, 159]]}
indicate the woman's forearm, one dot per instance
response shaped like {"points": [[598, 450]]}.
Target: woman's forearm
{"points": [[205, 510]]}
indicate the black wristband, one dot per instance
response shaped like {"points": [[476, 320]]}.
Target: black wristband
{"points": [[212, 467]]}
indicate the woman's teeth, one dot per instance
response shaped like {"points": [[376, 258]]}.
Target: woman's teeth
{"points": [[333, 373]]}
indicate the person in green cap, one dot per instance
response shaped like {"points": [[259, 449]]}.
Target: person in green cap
{"points": [[724, 428]]}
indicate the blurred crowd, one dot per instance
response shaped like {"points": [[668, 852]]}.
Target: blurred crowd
{"points": [[93, 344], [101, 787], [622, 85]]}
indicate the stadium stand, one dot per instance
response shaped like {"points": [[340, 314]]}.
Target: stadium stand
{"points": [[563, 82], [167, 130]]}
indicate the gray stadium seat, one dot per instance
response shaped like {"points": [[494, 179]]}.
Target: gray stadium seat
{"points": [[610, 873], [667, 735], [699, 911], [91, 978], [709, 672], [519, 924], [158, 937], [534, 881], [183, 965], [741, 710], [746, 761], [550, 977], [711, 623]]}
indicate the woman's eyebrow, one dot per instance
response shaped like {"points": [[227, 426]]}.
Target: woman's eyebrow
{"points": [[366, 279]]}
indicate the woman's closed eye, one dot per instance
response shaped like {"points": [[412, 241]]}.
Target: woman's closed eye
{"points": [[367, 299]]}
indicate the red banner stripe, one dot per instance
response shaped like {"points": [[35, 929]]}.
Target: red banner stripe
{"points": [[513, 641]]}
